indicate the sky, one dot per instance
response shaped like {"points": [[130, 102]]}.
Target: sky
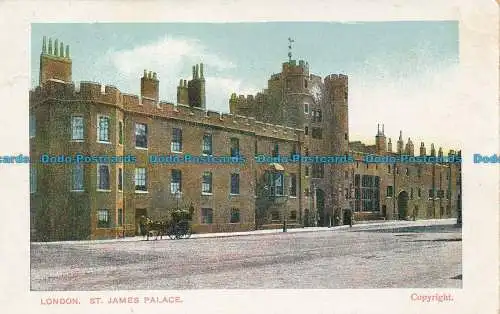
{"points": [[402, 74]]}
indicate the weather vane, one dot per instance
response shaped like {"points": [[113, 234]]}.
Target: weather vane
{"points": [[290, 41]]}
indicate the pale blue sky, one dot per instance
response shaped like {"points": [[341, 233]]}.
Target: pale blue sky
{"points": [[389, 63]]}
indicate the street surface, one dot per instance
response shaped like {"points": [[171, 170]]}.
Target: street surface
{"points": [[361, 257]]}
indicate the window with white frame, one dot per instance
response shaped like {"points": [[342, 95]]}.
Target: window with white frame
{"points": [[176, 183], [77, 177], [32, 125], [32, 178], [141, 135], [103, 129], [176, 145], [103, 220], [103, 177], [206, 185], [77, 128], [306, 108], [207, 144], [140, 179]]}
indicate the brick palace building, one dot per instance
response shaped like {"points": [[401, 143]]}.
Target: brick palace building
{"points": [[298, 113]]}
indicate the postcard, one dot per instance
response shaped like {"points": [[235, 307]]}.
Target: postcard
{"points": [[314, 161]]}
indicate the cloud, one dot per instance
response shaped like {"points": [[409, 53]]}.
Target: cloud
{"points": [[172, 59], [168, 53]]}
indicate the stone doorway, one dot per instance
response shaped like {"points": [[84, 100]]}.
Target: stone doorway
{"points": [[403, 205]]}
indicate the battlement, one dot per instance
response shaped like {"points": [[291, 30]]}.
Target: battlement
{"points": [[337, 79], [291, 68], [243, 101], [97, 93]]}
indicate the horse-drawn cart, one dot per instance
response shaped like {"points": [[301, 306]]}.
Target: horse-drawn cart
{"points": [[179, 226], [176, 226]]}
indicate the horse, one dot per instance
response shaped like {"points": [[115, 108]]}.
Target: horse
{"points": [[150, 227]]}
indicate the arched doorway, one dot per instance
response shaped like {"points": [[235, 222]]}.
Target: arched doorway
{"points": [[320, 207], [403, 204]]}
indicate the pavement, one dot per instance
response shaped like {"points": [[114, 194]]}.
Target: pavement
{"points": [[361, 225]]}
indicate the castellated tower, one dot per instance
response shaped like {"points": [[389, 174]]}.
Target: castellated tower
{"points": [[336, 98], [380, 141], [294, 83], [55, 62], [336, 92], [150, 86]]}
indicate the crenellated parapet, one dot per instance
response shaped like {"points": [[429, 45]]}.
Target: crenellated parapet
{"points": [[98, 94], [339, 79], [84, 91], [292, 68]]}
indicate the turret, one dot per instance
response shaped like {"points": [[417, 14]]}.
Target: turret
{"points": [[389, 146], [292, 87], [335, 104], [337, 97], [440, 152], [422, 149], [410, 150], [380, 141], [433, 150], [400, 143], [54, 63]]}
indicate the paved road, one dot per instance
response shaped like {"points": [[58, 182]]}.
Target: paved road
{"points": [[417, 257]]}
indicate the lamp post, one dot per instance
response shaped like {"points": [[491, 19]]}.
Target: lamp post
{"points": [[285, 214]]}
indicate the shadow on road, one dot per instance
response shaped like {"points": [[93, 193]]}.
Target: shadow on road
{"points": [[417, 229], [439, 240]]}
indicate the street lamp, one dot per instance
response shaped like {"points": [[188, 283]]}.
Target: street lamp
{"points": [[285, 214]]}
